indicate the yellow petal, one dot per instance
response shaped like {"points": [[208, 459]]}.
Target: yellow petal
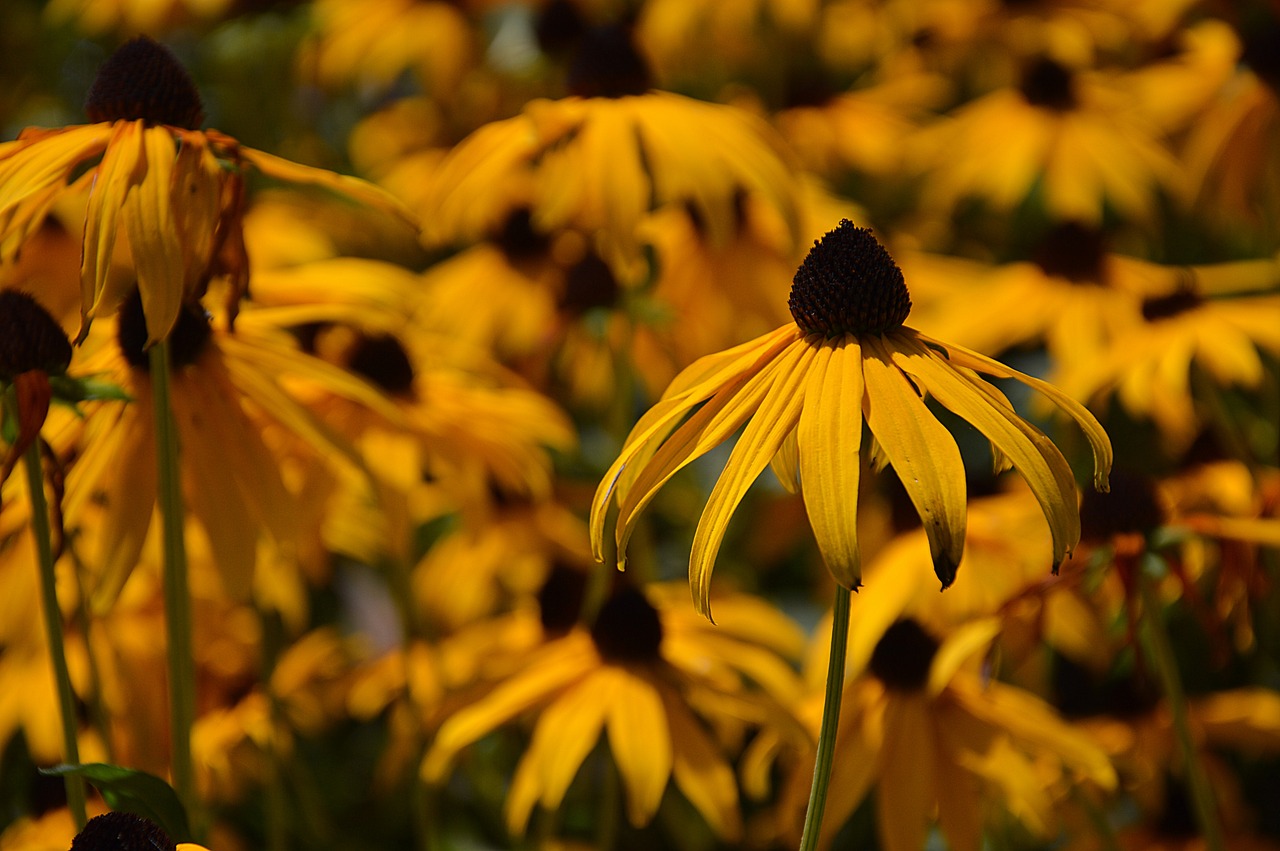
{"points": [[922, 452], [830, 439], [958, 649], [641, 744], [112, 180], [561, 664], [1093, 431], [1032, 453], [905, 796], [701, 772], [352, 187], [153, 235], [777, 416]]}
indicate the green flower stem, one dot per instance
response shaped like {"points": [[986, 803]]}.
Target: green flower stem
{"points": [[830, 719], [177, 594], [1166, 664], [53, 628]]}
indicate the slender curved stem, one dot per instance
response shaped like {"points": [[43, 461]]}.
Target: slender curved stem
{"points": [[830, 720], [1166, 663], [177, 594], [53, 629]]}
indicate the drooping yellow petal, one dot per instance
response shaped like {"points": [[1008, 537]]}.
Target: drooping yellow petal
{"points": [[712, 424], [701, 772], [923, 454], [958, 798], [699, 382], [786, 464], [32, 176], [905, 796], [352, 187], [1032, 453], [776, 417], [958, 649], [641, 743], [830, 440], [1093, 431], [130, 500], [153, 235], [112, 180]]}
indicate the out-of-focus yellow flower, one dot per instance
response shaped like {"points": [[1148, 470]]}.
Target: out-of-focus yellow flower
{"points": [[1074, 135], [602, 159], [803, 393], [129, 17], [370, 44], [645, 675], [175, 193], [1214, 321], [236, 412], [935, 739]]}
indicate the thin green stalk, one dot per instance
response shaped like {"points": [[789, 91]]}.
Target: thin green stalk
{"points": [[1166, 664], [53, 628], [830, 719], [97, 708], [177, 594]]}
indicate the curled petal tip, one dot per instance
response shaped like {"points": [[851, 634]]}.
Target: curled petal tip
{"points": [[945, 569]]}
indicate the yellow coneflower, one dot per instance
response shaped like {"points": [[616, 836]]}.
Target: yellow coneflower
{"points": [[803, 392], [654, 678], [600, 160], [173, 192]]}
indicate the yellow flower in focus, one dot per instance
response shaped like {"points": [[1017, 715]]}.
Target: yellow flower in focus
{"points": [[661, 685], [803, 392], [165, 194]]}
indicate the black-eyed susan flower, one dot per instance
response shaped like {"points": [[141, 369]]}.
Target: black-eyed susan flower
{"points": [[125, 831], [650, 676], [803, 393], [1075, 136], [601, 159], [164, 194], [1211, 324], [923, 727]]}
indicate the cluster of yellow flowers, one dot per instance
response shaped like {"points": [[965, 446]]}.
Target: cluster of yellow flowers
{"points": [[317, 469]]}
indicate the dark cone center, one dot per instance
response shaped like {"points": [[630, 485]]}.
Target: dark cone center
{"points": [[121, 831], [1130, 506], [848, 284], [608, 64], [1048, 84], [560, 599], [628, 629], [382, 360], [186, 341], [903, 656], [519, 239], [142, 79], [1074, 251], [1169, 306], [30, 338], [589, 284]]}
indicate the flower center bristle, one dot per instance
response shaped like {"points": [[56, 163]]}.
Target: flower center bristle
{"points": [[1130, 506], [903, 656], [608, 64], [1048, 84], [121, 831], [628, 629], [560, 599], [30, 339], [558, 27], [848, 284], [143, 80], [383, 360], [186, 341], [1074, 251]]}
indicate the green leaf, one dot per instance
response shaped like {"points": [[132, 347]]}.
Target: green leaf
{"points": [[131, 791]]}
